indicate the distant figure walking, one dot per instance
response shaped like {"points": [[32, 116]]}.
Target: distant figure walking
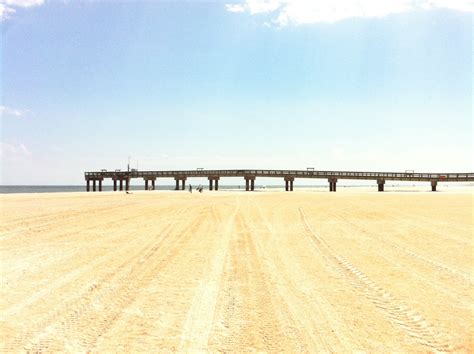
{"points": [[190, 188], [199, 189]]}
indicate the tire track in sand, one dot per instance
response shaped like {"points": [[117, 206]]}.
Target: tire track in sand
{"points": [[71, 274], [251, 313], [198, 324], [454, 274], [88, 314], [308, 313], [402, 316]]}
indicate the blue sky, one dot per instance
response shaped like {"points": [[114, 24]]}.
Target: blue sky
{"points": [[272, 84]]}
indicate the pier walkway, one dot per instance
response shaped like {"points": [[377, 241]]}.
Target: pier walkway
{"points": [[121, 179]]}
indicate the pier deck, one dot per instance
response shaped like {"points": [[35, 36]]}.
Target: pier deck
{"points": [[180, 176]]}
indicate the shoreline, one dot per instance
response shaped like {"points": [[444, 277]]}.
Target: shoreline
{"points": [[298, 190], [450, 188]]}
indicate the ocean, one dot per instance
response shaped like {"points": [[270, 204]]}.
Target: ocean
{"points": [[109, 188]]}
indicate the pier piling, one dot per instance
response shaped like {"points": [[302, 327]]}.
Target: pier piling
{"points": [[381, 183], [289, 183], [332, 184]]}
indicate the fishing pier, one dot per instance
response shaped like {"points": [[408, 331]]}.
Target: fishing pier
{"points": [[121, 179]]}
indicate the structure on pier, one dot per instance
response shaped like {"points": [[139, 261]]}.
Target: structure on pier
{"points": [[124, 177]]}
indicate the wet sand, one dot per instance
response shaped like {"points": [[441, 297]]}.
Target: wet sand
{"points": [[303, 271]]}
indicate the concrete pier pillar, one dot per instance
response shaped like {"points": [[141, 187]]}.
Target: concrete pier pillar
{"points": [[153, 184], [289, 183], [380, 183], [183, 181], [249, 182], [93, 185], [88, 186], [146, 184], [433, 185], [121, 184], [127, 184], [213, 182], [115, 185], [100, 185], [332, 184]]}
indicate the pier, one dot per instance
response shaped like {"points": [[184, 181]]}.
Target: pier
{"points": [[123, 178]]}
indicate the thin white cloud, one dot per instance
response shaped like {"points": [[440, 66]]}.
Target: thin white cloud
{"points": [[10, 152], [22, 3], [259, 6], [8, 111], [235, 7], [5, 11], [296, 12], [459, 5], [9, 7]]}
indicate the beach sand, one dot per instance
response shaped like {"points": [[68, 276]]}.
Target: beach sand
{"points": [[299, 271]]}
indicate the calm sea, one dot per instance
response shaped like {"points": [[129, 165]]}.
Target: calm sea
{"points": [[105, 188], [62, 189]]}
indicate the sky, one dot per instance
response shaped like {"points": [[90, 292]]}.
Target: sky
{"points": [[354, 85]]}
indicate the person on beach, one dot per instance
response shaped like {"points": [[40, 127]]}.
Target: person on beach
{"points": [[190, 188]]}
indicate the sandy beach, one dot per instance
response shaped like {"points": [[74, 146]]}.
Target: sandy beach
{"points": [[272, 271]]}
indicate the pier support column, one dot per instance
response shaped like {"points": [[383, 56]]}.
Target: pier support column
{"points": [[153, 184], [88, 185], [289, 183], [183, 181], [115, 185], [213, 182], [127, 184], [93, 185], [249, 182], [381, 183], [332, 184], [100, 185], [146, 184], [121, 184], [434, 183]]}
